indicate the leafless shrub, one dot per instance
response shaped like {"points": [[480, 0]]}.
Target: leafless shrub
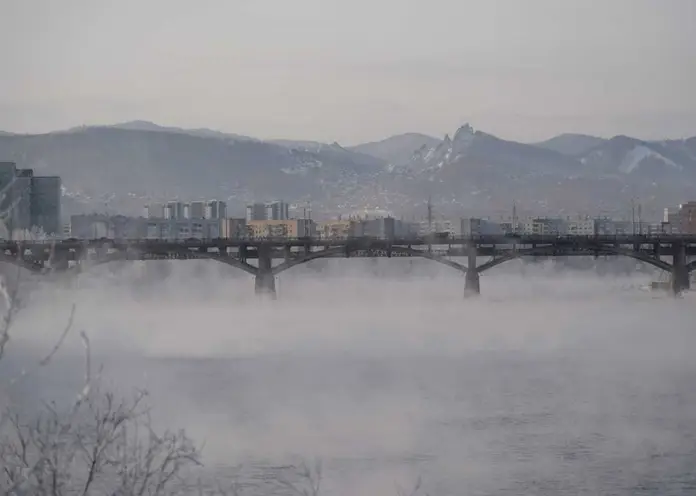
{"points": [[98, 444], [9, 291], [309, 483]]}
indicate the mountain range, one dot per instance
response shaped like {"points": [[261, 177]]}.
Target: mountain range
{"points": [[124, 166]]}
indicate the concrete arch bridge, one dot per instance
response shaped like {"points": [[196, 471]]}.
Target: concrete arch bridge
{"points": [[670, 253]]}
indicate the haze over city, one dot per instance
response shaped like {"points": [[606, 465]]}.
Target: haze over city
{"points": [[347, 248]]}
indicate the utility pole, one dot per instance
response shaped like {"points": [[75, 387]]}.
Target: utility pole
{"points": [[304, 220], [514, 217], [640, 219], [430, 215], [633, 216], [430, 224]]}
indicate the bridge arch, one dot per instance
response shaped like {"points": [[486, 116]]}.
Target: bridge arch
{"points": [[20, 262], [231, 261], [123, 256], [340, 251], [591, 250]]}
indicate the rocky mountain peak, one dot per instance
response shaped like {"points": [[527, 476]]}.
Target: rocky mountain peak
{"points": [[465, 132]]}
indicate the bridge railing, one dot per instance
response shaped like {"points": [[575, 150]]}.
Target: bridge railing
{"points": [[501, 239]]}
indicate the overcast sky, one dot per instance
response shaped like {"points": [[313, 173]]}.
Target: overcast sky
{"points": [[352, 70]]}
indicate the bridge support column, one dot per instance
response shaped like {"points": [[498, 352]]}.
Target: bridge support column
{"points": [[472, 285], [680, 273], [264, 281], [59, 264]]}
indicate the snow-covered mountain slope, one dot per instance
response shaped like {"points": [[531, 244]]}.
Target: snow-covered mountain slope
{"points": [[650, 159], [397, 150]]}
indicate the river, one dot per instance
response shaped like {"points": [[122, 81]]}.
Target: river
{"points": [[549, 383]]}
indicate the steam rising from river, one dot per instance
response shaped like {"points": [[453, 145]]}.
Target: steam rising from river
{"points": [[551, 382]]}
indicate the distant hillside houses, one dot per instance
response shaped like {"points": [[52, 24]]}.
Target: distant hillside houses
{"points": [[557, 226]]}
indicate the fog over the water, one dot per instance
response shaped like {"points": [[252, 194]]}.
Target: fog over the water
{"points": [[552, 382]]}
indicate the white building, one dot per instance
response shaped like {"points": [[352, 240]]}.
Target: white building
{"points": [[437, 226], [183, 229], [277, 210], [175, 210], [215, 209], [581, 227], [544, 226]]}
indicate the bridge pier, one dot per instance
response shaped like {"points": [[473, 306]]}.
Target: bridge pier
{"points": [[472, 284], [59, 264], [680, 273], [264, 284], [264, 280]]}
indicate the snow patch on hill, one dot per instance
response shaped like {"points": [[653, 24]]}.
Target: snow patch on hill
{"points": [[635, 157]]}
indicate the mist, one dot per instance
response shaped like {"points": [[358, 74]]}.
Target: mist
{"points": [[552, 382]]}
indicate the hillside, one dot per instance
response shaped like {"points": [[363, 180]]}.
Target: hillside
{"points": [[134, 166], [571, 144], [397, 150], [472, 173]]}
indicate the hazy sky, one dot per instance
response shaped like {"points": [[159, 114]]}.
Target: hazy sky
{"points": [[352, 70]]}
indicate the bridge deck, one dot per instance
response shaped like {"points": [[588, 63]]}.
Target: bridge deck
{"points": [[152, 244]]}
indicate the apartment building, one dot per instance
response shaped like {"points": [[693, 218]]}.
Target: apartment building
{"points": [[233, 228], [94, 226], [215, 209], [180, 211], [288, 228], [255, 211], [179, 229], [544, 226], [581, 227], [335, 229], [475, 226], [383, 228], [687, 218], [275, 210], [29, 202]]}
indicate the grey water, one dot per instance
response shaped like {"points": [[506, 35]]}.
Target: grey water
{"points": [[550, 383]]}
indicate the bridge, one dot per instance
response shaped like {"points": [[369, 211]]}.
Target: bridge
{"points": [[669, 253]]}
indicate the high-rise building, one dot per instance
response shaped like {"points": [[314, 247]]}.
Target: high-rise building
{"points": [[277, 210], [22, 200], [196, 210], [45, 204], [174, 210], [29, 202], [255, 211], [154, 211], [215, 209]]}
